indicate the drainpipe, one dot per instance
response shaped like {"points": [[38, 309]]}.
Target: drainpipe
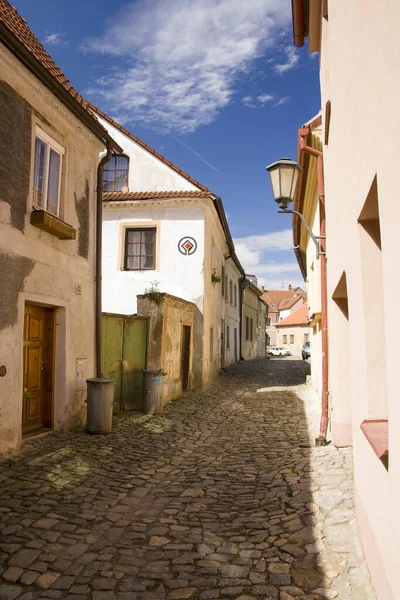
{"points": [[241, 287], [99, 247], [321, 440]]}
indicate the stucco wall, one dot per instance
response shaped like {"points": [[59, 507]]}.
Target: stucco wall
{"points": [[298, 332], [250, 310], [35, 265], [146, 172], [175, 273], [232, 314], [363, 143], [166, 321]]}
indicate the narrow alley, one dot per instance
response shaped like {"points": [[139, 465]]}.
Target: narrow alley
{"points": [[224, 496]]}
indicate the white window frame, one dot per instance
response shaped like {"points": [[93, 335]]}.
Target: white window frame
{"points": [[53, 145]]}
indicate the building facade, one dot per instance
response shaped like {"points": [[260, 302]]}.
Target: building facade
{"points": [[164, 231], [47, 251], [362, 216]]}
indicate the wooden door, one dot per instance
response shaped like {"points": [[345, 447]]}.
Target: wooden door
{"points": [[185, 356], [37, 400]]}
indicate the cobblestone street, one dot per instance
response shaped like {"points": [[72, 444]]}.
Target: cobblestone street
{"points": [[224, 496]]}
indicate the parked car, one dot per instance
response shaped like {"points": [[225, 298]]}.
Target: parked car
{"points": [[306, 350], [279, 351]]}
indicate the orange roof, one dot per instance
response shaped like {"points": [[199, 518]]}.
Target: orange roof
{"points": [[126, 196], [298, 317], [146, 147], [282, 299], [15, 33]]}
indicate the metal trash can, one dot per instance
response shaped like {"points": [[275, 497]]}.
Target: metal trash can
{"points": [[153, 391], [100, 400]]}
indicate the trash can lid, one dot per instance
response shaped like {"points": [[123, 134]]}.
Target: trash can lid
{"points": [[154, 371]]}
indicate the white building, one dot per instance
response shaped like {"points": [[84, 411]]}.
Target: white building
{"points": [[162, 229]]}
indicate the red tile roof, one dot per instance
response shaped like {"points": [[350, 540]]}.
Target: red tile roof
{"points": [[130, 135], [127, 196], [298, 317], [27, 47], [278, 299]]}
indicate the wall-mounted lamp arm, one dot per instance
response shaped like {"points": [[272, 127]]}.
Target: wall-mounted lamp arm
{"points": [[314, 238]]}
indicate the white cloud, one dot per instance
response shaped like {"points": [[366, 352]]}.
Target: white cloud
{"points": [[282, 100], [292, 59], [181, 58], [254, 252], [55, 39], [257, 102], [263, 98]]}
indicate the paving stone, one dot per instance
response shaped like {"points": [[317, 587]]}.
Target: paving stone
{"points": [[12, 574], [224, 496]]}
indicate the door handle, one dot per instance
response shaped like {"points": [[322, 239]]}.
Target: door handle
{"points": [[44, 365]]}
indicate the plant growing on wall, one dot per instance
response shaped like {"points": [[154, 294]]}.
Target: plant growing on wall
{"points": [[153, 293], [215, 278]]}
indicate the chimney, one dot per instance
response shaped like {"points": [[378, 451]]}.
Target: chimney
{"points": [[289, 287], [262, 288]]}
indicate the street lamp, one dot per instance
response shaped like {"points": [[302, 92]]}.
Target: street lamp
{"points": [[284, 175]]}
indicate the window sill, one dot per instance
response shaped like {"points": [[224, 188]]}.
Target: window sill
{"points": [[376, 433], [47, 222]]}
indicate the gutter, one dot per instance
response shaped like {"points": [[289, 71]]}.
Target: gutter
{"points": [[74, 104]]}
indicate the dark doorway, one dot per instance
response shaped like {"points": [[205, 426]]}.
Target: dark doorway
{"points": [[235, 342], [37, 397], [185, 356]]}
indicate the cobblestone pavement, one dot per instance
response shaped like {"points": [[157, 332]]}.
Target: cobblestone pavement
{"points": [[224, 496]]}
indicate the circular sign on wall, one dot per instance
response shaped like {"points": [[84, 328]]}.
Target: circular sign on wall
{"points": [[187, 246]]}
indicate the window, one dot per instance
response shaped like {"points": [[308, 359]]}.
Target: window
{"points": [[291, 338], [284, 339], [247, 336], [228, 343], [235, 294], [47, 173], [115, 174], [140, 248], [269, 321], [251, 330], [231, 291], [306, 337], [226, 288], [223, 282]]}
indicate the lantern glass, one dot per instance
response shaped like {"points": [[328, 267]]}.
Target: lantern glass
{"points": [[284, 176]]}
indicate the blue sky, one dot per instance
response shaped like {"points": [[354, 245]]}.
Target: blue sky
{"points": [[216, 86]]}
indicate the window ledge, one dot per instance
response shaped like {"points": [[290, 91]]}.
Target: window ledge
{"points": [[54, 225], [376, 433]]}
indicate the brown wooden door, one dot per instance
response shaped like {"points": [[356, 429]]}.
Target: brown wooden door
{"points": [[185, 356], [38, 355]]}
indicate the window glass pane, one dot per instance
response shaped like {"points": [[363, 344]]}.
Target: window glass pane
{"points": [[148, 262], [133, 262], [121, 162], [148, 236], [38, 172], [133, 236], [53, 182]]}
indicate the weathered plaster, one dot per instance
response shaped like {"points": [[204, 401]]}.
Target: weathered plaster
{"points": [[15, 155], [14, 270], [82, 206]]}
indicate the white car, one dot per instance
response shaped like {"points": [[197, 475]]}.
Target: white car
{"points": [[279, 351]]}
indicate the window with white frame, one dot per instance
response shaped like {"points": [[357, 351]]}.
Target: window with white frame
{"points": [[47, 173]]}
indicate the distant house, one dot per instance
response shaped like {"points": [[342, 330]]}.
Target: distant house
{"points": [[281, 303], [164, 231], [48, 163], [254, 314], [294, 330]]}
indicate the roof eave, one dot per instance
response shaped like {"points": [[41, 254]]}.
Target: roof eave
{"points": [[17, 48]]}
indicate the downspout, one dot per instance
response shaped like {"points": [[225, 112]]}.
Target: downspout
{"points": [[99, 248], [241, 282], [323, 429]]}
